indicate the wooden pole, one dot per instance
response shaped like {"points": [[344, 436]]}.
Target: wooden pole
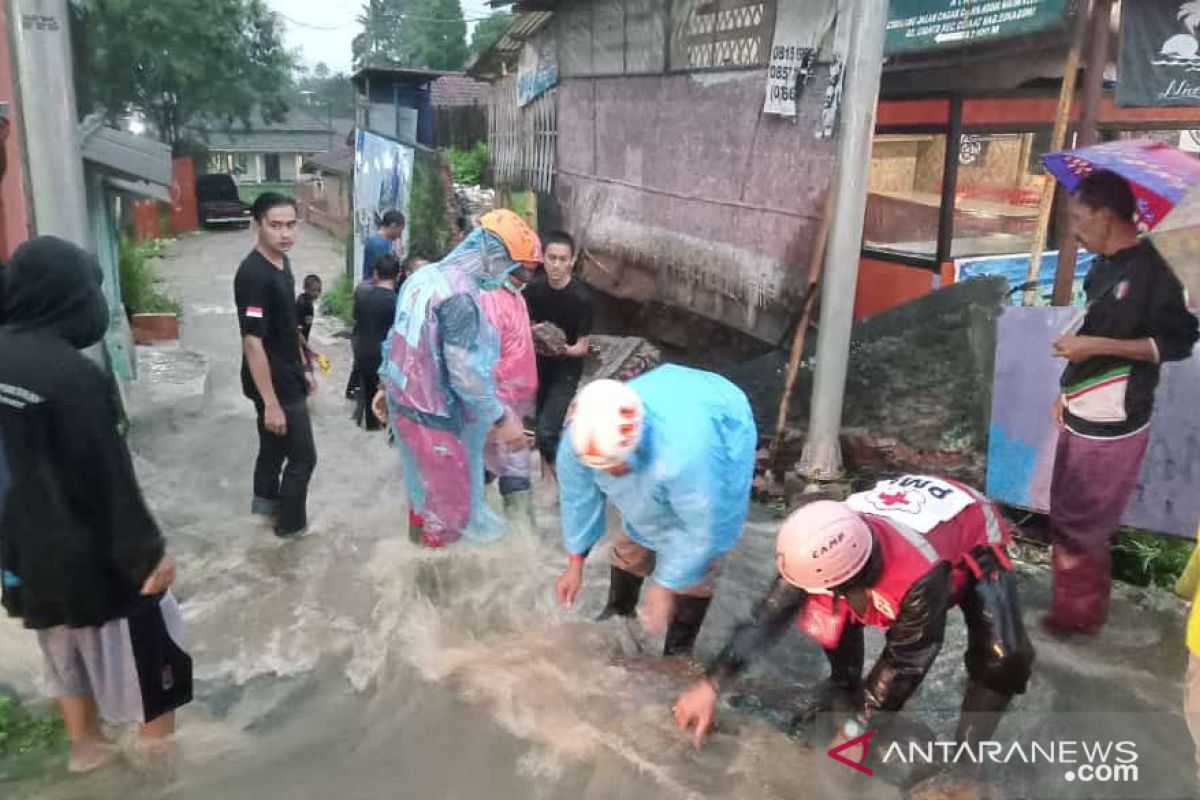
{"points": [[1064, 277], [815, 263], [1057, 137]]}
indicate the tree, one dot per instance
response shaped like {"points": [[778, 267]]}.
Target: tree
{"points": [[433, 35], [179, 61], [489, 31], [377, 45], [332, 94]]}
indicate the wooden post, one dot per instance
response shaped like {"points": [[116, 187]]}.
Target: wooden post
{"points": [[1059, 135], [815, 264], [1064, 277]]}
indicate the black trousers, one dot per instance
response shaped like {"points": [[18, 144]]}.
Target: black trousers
{"points": [[284, 466], [557, 383], [368, 384]]}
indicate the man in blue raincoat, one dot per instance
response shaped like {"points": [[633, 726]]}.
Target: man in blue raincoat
{"points": [[673, 450], [437, 389]]}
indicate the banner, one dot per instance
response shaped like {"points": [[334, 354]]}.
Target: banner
{"points": [[1160, 54], [799, 29], [538, 69], [918, 25], [382, 181]]}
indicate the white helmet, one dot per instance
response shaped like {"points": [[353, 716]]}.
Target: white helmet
{"points": [[606, 423], [822, 545]]}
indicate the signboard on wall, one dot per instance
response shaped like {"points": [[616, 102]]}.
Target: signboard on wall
{"points": [[383, 171], [537, 70], [1160, 54], [1021, 440], [799, 29], [920, 25]]}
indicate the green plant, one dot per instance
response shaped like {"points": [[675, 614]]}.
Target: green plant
{"points": [[139, 280], [468, 166], [24, 734], [1149, 559], [427, 227], [338, 300]]}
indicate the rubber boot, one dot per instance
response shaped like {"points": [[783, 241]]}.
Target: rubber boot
{"points": [[415, 525], [981, 712], [518, 513], [624, 588], [685, 627]]}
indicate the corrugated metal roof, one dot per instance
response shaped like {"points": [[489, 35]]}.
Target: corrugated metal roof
{"points": [[340, 161], [128, 154], [503, 55], [270, 142], [396, 74], [298, 132]]}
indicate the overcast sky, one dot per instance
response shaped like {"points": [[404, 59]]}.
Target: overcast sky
{"points": [[323, 30]]}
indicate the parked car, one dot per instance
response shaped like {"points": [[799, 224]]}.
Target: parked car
{"points": [[219, 203]]}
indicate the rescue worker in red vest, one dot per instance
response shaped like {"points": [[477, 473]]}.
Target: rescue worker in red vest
{"points": [[898, 557]]}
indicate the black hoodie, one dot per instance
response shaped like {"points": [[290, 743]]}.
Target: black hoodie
{"points": [[76, 538]]}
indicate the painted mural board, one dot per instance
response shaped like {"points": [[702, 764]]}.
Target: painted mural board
{"points": [[383, 171], [1015, 267], [1021, 440], [920, 25]]}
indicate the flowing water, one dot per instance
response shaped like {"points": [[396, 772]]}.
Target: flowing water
{"points": [[351, 664]]}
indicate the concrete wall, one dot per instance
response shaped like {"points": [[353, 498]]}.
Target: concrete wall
{"points": [[683, 192]]}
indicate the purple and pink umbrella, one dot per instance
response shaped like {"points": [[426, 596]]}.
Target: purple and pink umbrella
{"points": [[1159, 173]]}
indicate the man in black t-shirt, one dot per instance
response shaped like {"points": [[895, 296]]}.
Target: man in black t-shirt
{"points": [[1135, 320], [560, 300], [276, 374], [374, 310]]}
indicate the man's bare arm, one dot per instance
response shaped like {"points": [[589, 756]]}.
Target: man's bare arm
{"points": [[260, 369]]}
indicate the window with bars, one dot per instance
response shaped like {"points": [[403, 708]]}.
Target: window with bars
{"points": [[721, 34]]}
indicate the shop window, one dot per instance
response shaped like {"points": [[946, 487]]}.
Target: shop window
{"points": [[904, 194], [999, 188]]}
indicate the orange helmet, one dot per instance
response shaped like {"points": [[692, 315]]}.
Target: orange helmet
{"points": [[521, 242]]}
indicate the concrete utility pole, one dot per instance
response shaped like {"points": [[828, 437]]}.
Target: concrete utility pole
{"points": [[41, 35], [822, 457]]}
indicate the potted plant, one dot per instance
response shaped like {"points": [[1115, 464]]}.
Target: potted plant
{"points": [[153, 315]]}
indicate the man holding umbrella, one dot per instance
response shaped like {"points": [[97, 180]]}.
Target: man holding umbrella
{"points": [[1136, 318]]}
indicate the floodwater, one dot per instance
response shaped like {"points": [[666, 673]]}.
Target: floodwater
{"points": [[352, 664]]}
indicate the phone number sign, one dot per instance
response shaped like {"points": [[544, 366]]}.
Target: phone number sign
{"points": [[920, 25]]}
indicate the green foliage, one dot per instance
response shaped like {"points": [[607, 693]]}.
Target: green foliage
{"points": [[468, 166], [1148, 559], [423, 34], [25, 737], [489, 31], [324, 92], [427, 230], [139, 280], [338, 300], [179, 61]]}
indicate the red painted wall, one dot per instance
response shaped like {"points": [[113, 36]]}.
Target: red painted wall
{"points": [[883, 285], [182, 216]]}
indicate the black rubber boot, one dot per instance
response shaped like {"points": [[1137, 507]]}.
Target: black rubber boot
{"points": [[981, 711], [685, 626], [624, 588]]}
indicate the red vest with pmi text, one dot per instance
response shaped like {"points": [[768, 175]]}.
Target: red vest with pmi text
{"points": [[918, 522]]}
